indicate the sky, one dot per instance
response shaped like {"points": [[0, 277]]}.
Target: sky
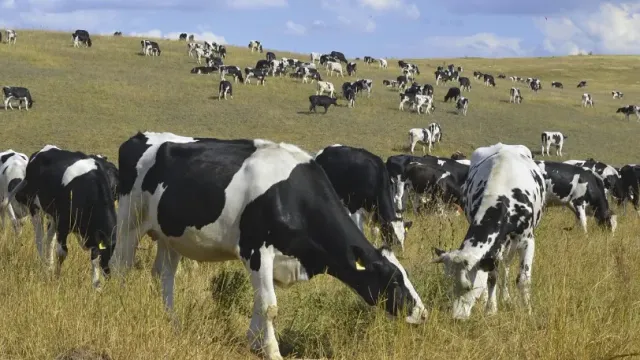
{"points": [[379, 28]]}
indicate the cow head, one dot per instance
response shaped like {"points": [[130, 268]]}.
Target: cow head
{"points": [[387, 277], [468, 285], [394, 231]]}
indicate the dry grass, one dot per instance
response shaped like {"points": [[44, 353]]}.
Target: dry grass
{"points": [[586, 288]]}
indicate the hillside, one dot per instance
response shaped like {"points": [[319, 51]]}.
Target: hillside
{"points": [[585, 288]]}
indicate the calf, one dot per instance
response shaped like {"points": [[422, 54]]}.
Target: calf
{"points": [[390, 83], [362, 182], [321, 100], [362, 85], [578, 189], [462, 105], [554, 138], [19, 93], [423, 136], [582, 84], [334, 67], [436, 132], [617, 94], [535, 85], [557, 84], [628, 110], [503, 199], [465, 83], [13, 166], [452, 94], [225, 88], [81, 37], [325, 87], [351, 68], [72, 190], [151, 48], [11, 36], [219, 200], [515, 96], [587, 100]]}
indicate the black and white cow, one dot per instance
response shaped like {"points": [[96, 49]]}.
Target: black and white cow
{"points": [[390, 83], [13, 167], [420, 135], [11, 36], [383, 63], [233, 71], [478, 75], [259, 74], [452, 94], [503, 199], [557, 84], [321, 100], [582, 84], [363, 85], [352, 68], [502, 76], [269, 205], [607, 173], [578, 189], [314, 56], [81, 37], [465, 83], [554, 138], [204, 70], [22, 94], [628, 187], [462, 105], [617, 94], [73, 191], [628, 110], [489, 80], [515, 96], [535, 85], [255, 45], [362, 182], [150, 48], [225, 89], [587, 100], [368, 60]]}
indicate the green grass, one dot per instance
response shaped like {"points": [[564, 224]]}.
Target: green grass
{"points": [[585, 287]]}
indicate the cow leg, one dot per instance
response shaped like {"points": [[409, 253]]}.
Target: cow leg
{"points": [[527, 249], [128, 228], [261, 333], [581, 214], [12, 216], [95, 267], [37, 219], [62, 229], [490, 286], [507, 259], [165, 267]]}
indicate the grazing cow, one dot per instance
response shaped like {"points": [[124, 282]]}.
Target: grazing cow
{"points": [[502, 76], [420, 135], [426, 179], [11, 36], [390, 83], [587, 100], [202, 53], [577, 188], [117, 33], [204, 70], [478, 75], [270, 56], [255, 45], [183, 37], [402, 81], [310, 73], [325, 87], [368, 60], [465, 83], [535, 85], [628, 110], [628, 186], [231, 70], [191, 37], [462, 105], [453, 93], [321, 100], [314, 56], [554, 138], [557, 84], [151, 48], [351, 68], [225, 88], [362, 182], [489, 81], [609, 175], [13, 166], [237, 204], [503, 210], [362, 85], [582, 84], [260, 76], [73, 191], [350, 95], [617, 94], [81, 37], [339, 56], [417, 101], [383, 63], [515, 96], [436, 132], [334, 67], [19, 93]]}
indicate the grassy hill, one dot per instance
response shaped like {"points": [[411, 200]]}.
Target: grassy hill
{"points": [[585, 288]]}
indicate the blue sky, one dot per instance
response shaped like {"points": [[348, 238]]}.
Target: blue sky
{"points": [[380, 28]]}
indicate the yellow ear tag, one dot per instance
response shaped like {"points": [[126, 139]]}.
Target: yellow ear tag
{"points": [[101, 246], [359, 265], [406, 229]]}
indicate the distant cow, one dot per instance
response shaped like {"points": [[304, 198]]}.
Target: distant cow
{"points": [[314, 56], [452, 94], [351, 68], [191, 37], [321, 100], [629, 110], [204, 70], [489, 80], [515, 96], [390, 83], [11, 36], [225, 89], [151, 48], [255, 45], [554, 138], [383, 63], [462, 105], [119, 33], [465, 83], [340, 56], [617, 94], [557, 84], [81, 37], [582, 84], [334, 67], [182, 37], [587, 100], [19, 93], [233, 71]]}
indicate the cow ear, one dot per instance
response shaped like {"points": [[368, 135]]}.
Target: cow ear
{"points": [[358, 258], [407, 225]]}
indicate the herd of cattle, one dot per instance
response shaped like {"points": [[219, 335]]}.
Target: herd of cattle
{"points": [[289, 214]]}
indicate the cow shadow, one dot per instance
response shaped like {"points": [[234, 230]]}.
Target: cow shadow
{"points": [[140, 54], [293, 343], [452, 112], [402, 148], [505, 101], [307, 113]]}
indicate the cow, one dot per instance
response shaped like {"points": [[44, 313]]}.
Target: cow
{"points": [[151, 48], [424, 179], [72, 190], [255, 45], [502, 76], [383, 63], [270, 56], [325, 87], [617, 94], [582, 84], [462, 105], [362, 182], [117, 33], [628, 186], [554, 138], [225, 88], [259, 74], [182, 37], [362, 85], [204, 70], [214, 62], [314, 56], [321, 100], [578, 189], [587, 100], [219, 200], [436, 132], [13, 166], [402, 81], [515, 96], [503, 210], [420, 135], [11, 36], [417, 101], [557, 84], [310, 73], [535, 85], [453, 93], [489, 80], [231, 70], [22, 94], [368, 60], [351, 68], [334, 67], [192, 37], [478, 75], [350, 95], [390, 83], [339, 56], [628, 110], [609, 175], [191, 48], [81, 37], [465, 83]]}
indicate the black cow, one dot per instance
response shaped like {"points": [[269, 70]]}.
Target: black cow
{"points": [[453, 93], [183, 36], [557, 84], [263, 65], [489, 80], [351, 68], [362, 182], [465, 83], [22, 94], [628, 188], [117, 33], [338, 55], [582, 84], [73, 191], [432, 181], [321, 100], [204, 70], [225, 89], [269, 205], [81, 37]]}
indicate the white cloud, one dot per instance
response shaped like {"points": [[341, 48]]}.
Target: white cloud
{"points": [[8, 4], [410, 10], [243, 4], [481, 44], [295, 29], [319, 23], [157, 34], [81, 19], [611, 29]]}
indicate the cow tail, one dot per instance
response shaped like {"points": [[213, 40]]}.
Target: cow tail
{"points": [[12, 194]]}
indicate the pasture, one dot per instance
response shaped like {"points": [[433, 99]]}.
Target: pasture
{"points": [[585, 287]]}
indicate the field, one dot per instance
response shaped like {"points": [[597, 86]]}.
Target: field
{"points": [[586, 288]]}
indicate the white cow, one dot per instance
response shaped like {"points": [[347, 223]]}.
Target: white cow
{"points": [[325, 87], [11, 36], [554, 138], [423, 136], [314, 56], [383, 63], [587, 100], [334, 67], [515, 96], [13, 169]]}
